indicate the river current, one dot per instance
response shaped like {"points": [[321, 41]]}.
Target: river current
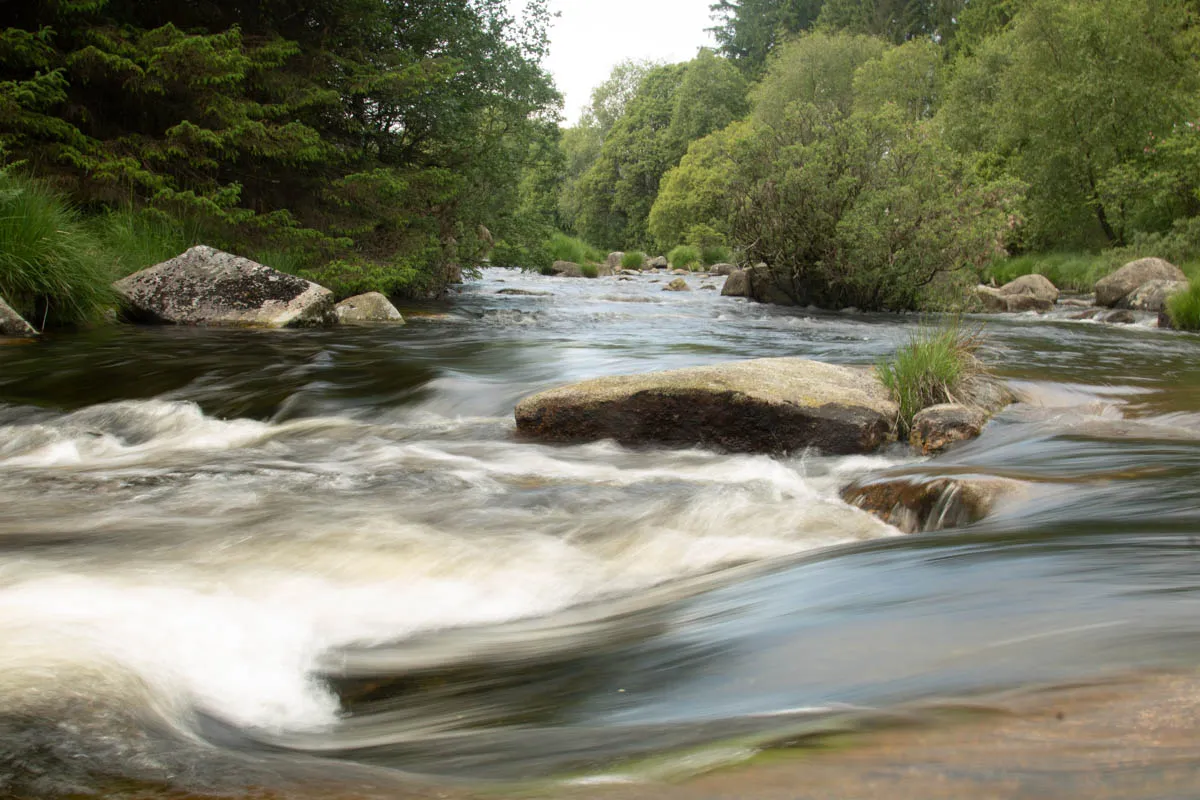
{"points": [[322, 563]]}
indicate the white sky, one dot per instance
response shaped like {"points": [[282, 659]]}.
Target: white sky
{"points": [[593, 36]]}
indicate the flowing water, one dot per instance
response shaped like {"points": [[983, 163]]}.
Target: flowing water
{"points": [[285, 563]]}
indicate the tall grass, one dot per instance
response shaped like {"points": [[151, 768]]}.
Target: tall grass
{"points": [[567, 248], [633, 260], [1072, 272], [139, 239], [714, 254], [930, 367], [52, 269], [684, 257], [1184, 308]]}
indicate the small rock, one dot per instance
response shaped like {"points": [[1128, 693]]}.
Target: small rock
{"points": [[12, 323], [1121, 317], [1091, 313], [525, 293], [677, 285], [737, 284], [722, 269], [937, 427], [658, 262], [369, 307], [566, 269], [914, 505], [707, 287], [1027, 302], [1112, 289], [614, 260]]}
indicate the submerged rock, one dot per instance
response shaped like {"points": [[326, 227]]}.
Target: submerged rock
{"points": [[525, 293], [1114, 288], [12, 323], [1152, 296], [677, 285], [205, 286], [937, 427], [773, 405], [369, 307], [932, 504]]}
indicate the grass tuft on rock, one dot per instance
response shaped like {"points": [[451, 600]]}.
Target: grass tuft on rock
{"points": [[1184, 308], [930, 368], [567, 248], [634, 260], [53, 270], [589, 270]]}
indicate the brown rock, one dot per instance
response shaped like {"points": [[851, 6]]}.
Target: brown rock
{"points": [[1112, 289], [566, 269], [1119, 318], [722, 269], [677, 285], [737, 284], [773, 405], [937, 427], [1017, 303], [915, 504]]}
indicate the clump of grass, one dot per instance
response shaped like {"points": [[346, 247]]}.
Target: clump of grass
{"points": [[568, 248], [714, 254], [140, 239], [1184, 308], [684, 257], [1072, 272], [634, 260], [930, 368], [589, 270], [52, 269]]}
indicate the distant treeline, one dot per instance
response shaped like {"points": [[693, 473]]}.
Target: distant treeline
{"points": [[880, 152]]}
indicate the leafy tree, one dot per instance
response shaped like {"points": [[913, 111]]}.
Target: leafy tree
{"points": [[1067, 99], [747, 31], [698, 191], [817, 69], [895, 20], [610, 99]]}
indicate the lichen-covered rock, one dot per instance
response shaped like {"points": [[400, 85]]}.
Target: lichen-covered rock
{"points": [[205, 286], [995, 301], [773, 405], [677, 285], [369, 307], [937, 427], [722, 269], [932, 504], [12, 323], [1152, 296], [1112, 289], [1038, 286]]}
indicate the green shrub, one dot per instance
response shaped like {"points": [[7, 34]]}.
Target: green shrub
{"points": [[568, 248], [589, 270], [349, 278], [714, 254], [634, 260], [1184, 308], [684, 257], [52, 269], [929, 369]]}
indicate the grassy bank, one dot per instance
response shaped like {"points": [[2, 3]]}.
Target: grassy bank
{"points": [[1078, 272]]}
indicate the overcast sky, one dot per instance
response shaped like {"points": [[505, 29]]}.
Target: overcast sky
{"points": [[592, 36]]}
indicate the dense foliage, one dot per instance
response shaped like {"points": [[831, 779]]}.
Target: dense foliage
{"points": [[374, 137]]}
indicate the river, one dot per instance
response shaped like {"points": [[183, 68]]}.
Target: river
{"points": [[321, 562]]}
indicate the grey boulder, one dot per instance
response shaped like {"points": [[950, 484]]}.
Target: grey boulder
{"points": [[205, 286], [1112, 289], [12, 323], [1152, 296]]}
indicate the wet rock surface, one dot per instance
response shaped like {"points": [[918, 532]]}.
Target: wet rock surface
{"points": [[931, 504], [369, 307], [937, 427]]}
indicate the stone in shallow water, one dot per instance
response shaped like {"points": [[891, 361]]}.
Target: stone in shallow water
{"points": [[770, 405], [205, 286], [369, 307], [937, 427], [677, 285], [932, 504]]}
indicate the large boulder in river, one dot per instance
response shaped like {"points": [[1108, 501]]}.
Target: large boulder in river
{"points": [[737, 284], [721, 269], [1038, 286], [12, 323], [758, 283], [566, 269], [770, 405], [205, 286], [997, 302], [1114, 288], [369, 307], [1152, 296], [932, 504]]}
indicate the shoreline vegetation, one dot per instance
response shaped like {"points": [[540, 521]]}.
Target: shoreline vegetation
{"points": [[886, 162]]}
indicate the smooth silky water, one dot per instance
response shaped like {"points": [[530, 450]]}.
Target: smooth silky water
{"points": [[322, 563]]}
